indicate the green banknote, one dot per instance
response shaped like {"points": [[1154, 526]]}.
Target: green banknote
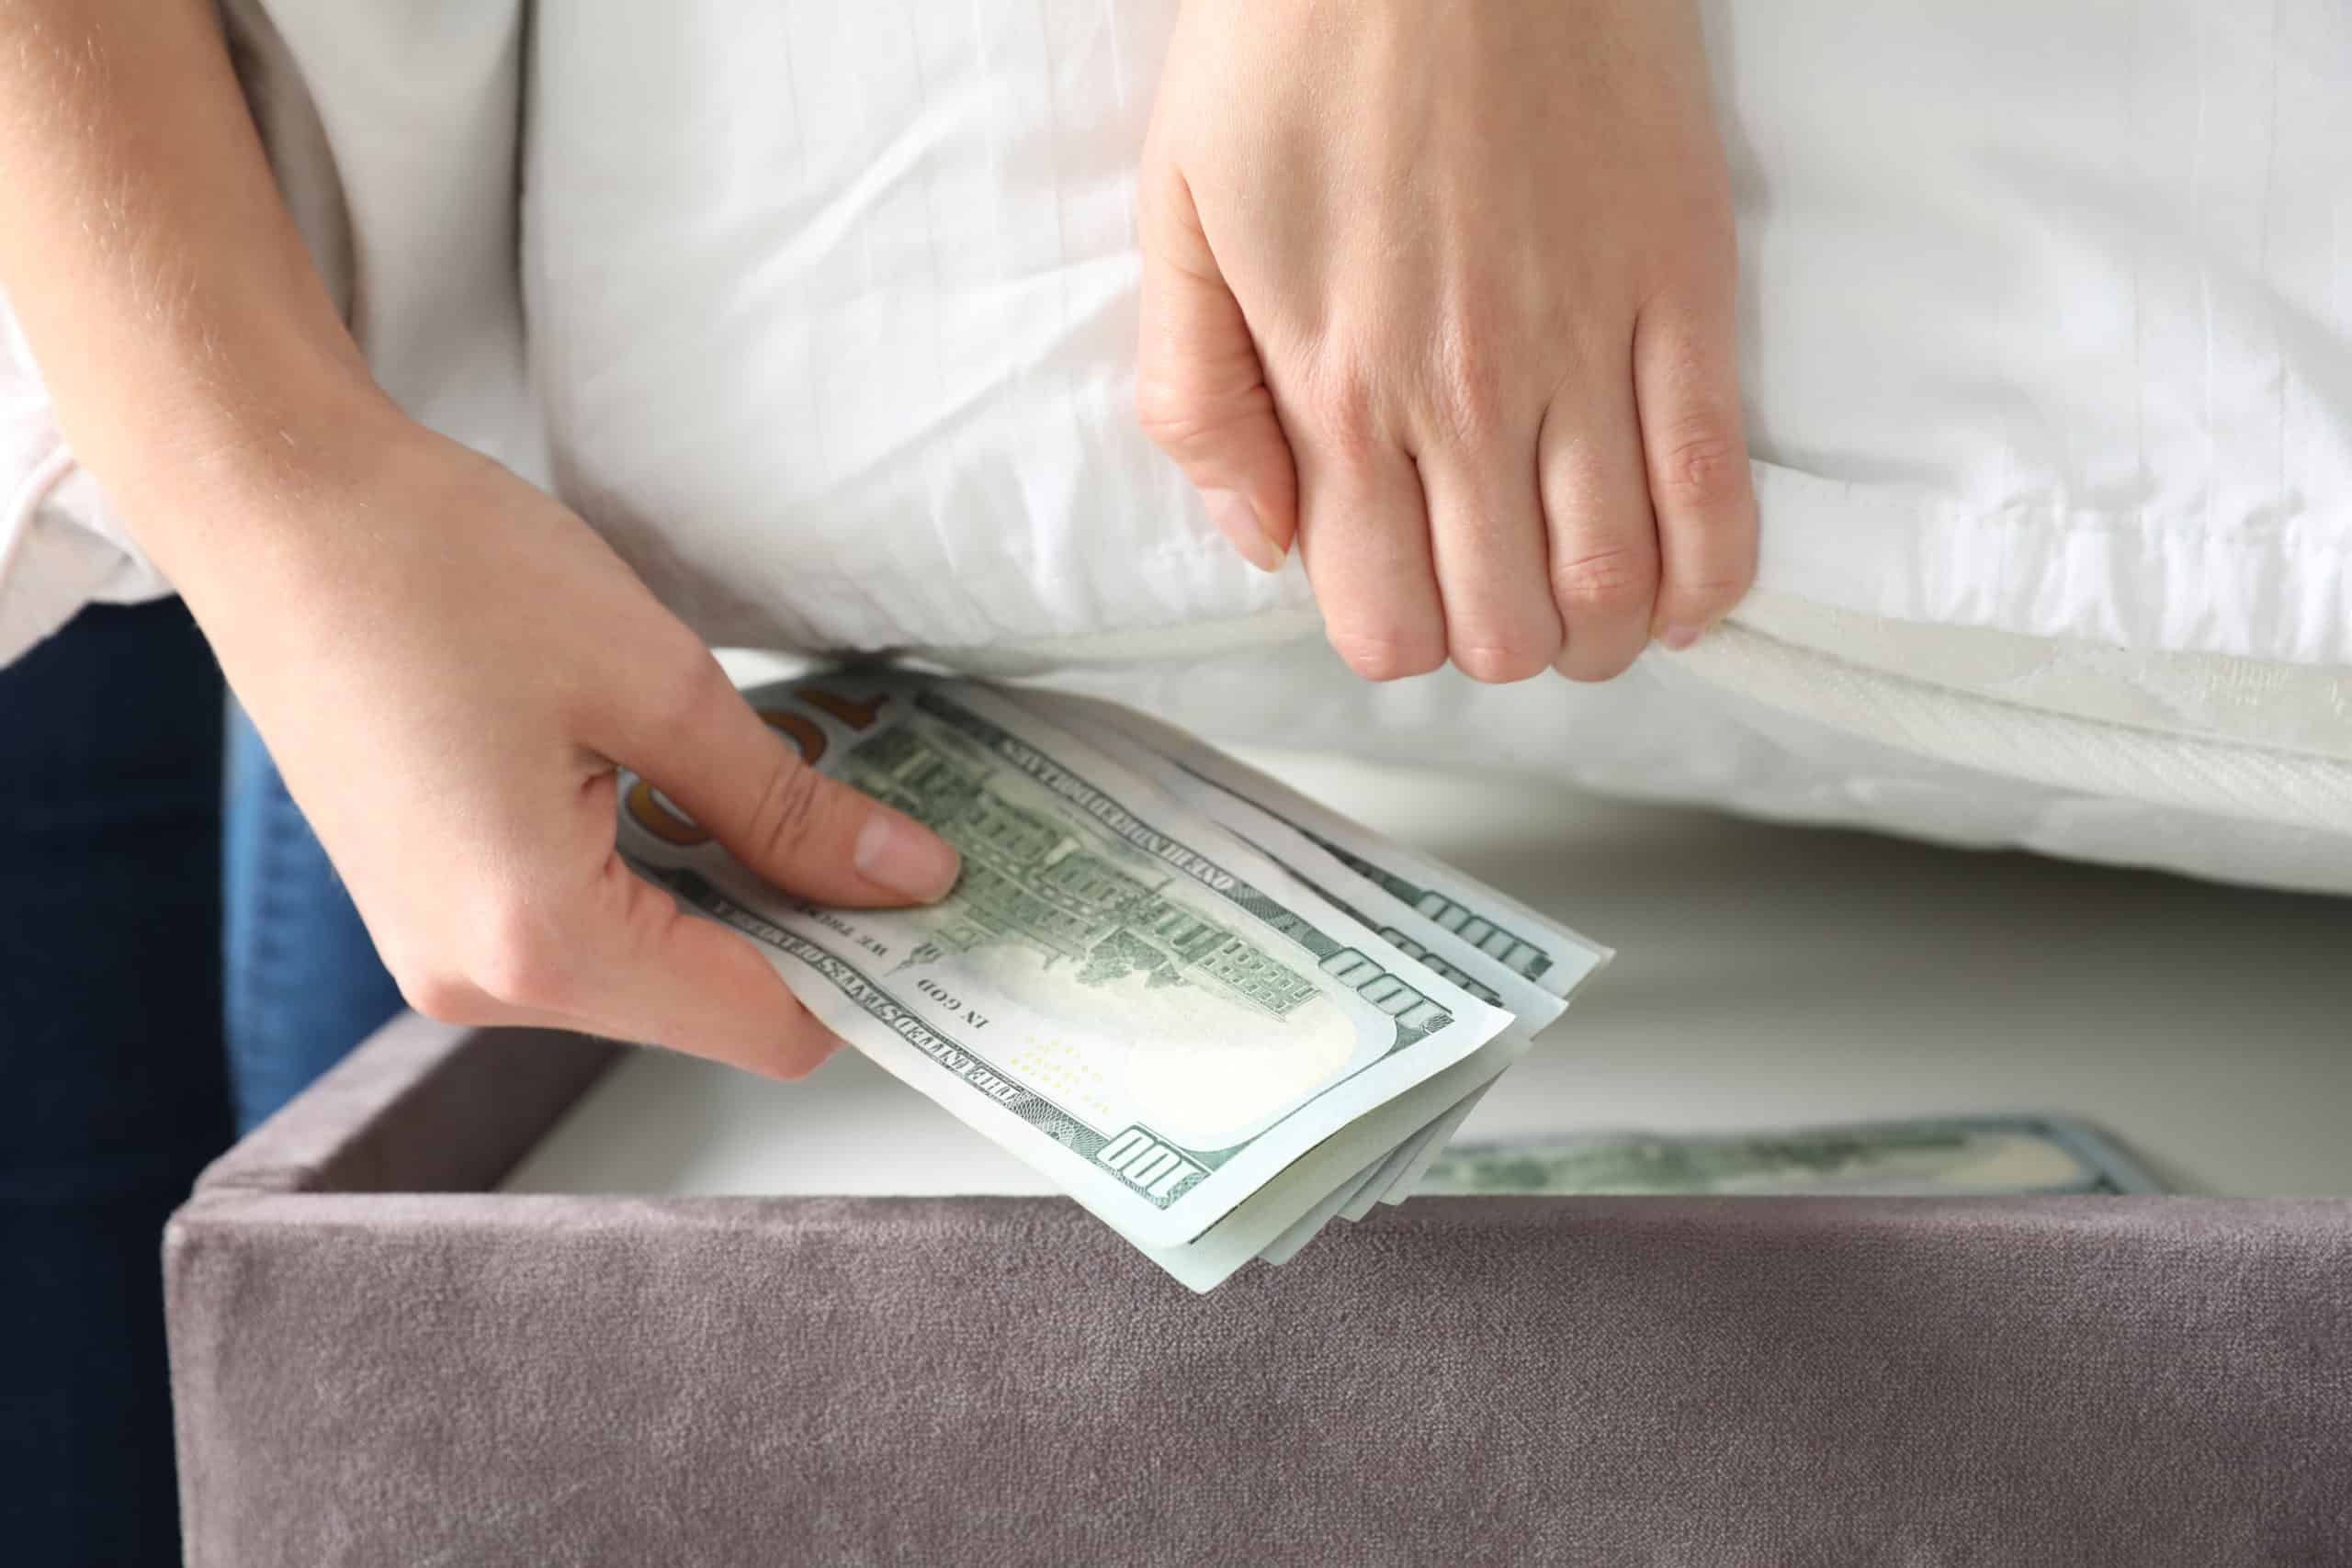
{"points": [[2003, 1154], [1478, 917], [1208, 781], [1194, 1044], [1496, 948]]}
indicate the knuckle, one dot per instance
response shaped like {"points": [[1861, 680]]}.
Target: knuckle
{"points": [[1592, 666], [1182, 421], [785, 821], [1715, 596], [1699, 465], [1168, 408], [1606, 582], [687, 693], [1500, 662], [1165, 411], [1339, 407], [1388, 656]]}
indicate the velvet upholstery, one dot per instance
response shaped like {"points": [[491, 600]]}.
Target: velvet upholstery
{"points": [[376, 1362]]}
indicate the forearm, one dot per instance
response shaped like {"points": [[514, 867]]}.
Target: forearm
{"points": [[186, 341]]}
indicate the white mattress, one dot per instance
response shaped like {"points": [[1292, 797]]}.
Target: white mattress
{"points": [[1766, 975]]}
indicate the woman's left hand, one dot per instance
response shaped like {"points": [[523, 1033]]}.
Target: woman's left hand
{"points": [[1445, 292]]}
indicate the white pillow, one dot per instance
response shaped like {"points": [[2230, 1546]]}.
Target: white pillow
{"points": [[2045, 315]]}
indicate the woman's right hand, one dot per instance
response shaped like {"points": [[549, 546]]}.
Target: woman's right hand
{"points": [[447, 666]]}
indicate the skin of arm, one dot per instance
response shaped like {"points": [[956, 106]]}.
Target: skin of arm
{"points": [[447, 664]]}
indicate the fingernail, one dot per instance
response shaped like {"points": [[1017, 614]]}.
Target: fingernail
{"points": [[1237, 521], [1678, 639], [904, 856]]}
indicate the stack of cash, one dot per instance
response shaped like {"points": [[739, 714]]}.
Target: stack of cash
{"points": [[1216, 1014], [2037, 1155]]}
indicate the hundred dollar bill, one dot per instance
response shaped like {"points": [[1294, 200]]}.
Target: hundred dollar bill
{"points": [[1497, 927], [2007, 1154], [1177, 765], [1452, 953], [1258, 1227], [1532, 945], [1154, 1014]]}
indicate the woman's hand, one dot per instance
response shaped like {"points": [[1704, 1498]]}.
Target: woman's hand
{"points": [[1446, 293], [446, 664]]}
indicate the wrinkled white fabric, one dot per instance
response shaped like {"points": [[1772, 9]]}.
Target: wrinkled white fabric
{"points": [[2046, 327], [60, 546], [2047, 315]]}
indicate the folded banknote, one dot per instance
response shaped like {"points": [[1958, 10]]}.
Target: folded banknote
{"points": [[1214, 1013], [1955, 1156]]}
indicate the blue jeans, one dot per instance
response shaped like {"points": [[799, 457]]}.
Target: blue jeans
{"points": [[110, 1051], [303, 982]]}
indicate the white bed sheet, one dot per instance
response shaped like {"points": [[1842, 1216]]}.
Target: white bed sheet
{"points": [[1766, 975]]}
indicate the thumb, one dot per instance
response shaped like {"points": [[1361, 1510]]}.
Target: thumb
{"points": [[629, 963], [800, 830], [1201, 391]]}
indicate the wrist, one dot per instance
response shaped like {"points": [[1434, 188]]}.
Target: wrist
{"points": [[224, 461], [288, 548]]}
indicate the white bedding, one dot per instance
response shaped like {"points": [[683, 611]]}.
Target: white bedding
{"points": [[2047, 316], [2046, 338]]}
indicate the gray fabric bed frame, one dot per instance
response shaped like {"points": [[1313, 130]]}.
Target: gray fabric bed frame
{"points": [[379, 1360]]}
